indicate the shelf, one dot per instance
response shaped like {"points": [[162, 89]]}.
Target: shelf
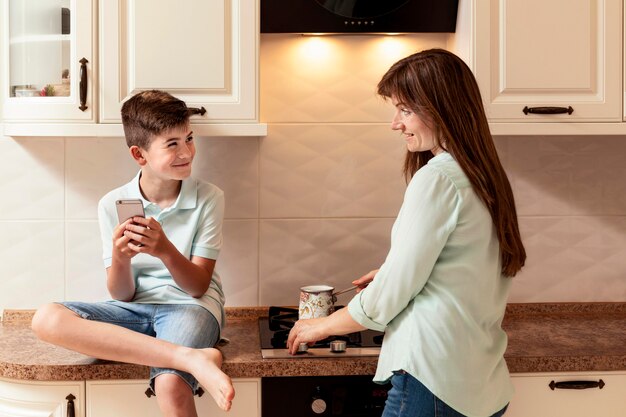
{"points": [[116, 130], [38, 38]]}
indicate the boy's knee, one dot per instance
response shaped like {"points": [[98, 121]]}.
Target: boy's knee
{"points": [[172, 389], [46, 319]]}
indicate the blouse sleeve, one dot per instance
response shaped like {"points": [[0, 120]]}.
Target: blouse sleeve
{"points": [[427, 217]]}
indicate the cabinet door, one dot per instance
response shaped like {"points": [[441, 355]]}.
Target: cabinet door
{"points": [[47, 54], [535, 398], [127, 398], [41, 399], [203, 52], [558, 53]]}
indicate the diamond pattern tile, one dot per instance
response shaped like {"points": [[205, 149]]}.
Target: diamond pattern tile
{"points": [[238, 263], [561, 176], [572, 259], [294, 253], [31, 181], [330, 79], [233, 165], [31, 263], [331, 171]]}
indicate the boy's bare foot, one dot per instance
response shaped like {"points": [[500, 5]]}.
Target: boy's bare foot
{"points": [[208, 372]]}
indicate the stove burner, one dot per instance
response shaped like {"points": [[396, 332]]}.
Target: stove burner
{"points": [[274, 332]]}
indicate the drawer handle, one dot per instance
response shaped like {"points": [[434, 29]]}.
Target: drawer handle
{"points": [[83, 84], [576, 384], [195, 110], [548, 110], [70, 405]]}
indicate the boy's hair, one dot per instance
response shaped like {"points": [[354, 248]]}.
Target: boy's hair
{"points": [[151, 113]]}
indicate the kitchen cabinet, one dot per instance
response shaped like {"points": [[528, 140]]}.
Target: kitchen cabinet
{"points": [[127, 398], [111, 398], [541, 395], [205, 53], [563, 55], [41, 399], [48, 61]]}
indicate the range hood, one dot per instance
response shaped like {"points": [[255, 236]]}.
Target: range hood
{"points": [[358, 16]]}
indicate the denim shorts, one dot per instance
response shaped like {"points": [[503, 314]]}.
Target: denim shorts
{"points": [[187, 325], [409, 397]]}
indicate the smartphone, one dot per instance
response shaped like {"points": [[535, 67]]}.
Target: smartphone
{"points": [[129, 208]]}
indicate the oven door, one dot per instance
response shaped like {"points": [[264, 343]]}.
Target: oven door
{"points": [[313, 396]]}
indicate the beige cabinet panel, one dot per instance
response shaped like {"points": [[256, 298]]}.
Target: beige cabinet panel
{"points": [[40, 61], [41, 399], [204, 52], [535, 398], [545, 54], [127, 398]]}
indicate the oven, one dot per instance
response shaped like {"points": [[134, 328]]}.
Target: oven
{"points": [[303, 396]]}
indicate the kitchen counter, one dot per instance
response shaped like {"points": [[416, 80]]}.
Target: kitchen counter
{"points": [[559, 337]]}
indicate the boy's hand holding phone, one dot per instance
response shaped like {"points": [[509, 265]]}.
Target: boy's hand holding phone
{"points": [[136, 234], [147, 236]]}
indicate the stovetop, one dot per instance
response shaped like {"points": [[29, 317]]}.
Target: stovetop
{"points": [[275, 328]]}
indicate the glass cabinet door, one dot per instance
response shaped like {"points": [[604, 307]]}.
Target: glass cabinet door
{"points": [[47, 46]]}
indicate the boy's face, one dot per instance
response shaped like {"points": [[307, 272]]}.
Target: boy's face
{"points": [[170, 154]]}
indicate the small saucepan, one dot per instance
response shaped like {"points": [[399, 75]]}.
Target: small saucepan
{"points": [[318, 301]]}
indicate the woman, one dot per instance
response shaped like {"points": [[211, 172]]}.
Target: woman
{"points": [[441, 293]]}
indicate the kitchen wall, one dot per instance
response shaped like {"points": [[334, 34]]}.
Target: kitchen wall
{"points": [[314, 200]]}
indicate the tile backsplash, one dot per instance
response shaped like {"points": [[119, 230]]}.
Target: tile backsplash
{"points": [[314, 200]]}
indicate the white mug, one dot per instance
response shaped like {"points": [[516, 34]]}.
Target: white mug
{"points": [[316, 301]]}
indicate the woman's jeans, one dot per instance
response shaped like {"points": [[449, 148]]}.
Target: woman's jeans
{"points": [[409, 398]]}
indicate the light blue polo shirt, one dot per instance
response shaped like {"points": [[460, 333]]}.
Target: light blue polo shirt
{"points": [[194, 226]]}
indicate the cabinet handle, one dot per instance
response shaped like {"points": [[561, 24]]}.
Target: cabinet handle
{"points": [[83, 84], [149, 393], [576, 384], [195, 110], [70, 405], [548, 110]]}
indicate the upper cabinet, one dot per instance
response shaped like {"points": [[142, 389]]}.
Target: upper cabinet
{"points": [[47, 60], [203, 52], [550, 61]]}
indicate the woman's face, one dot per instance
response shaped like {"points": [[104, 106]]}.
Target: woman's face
{"points": [[415, 130]]}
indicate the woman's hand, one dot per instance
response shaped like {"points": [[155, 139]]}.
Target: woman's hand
{"points": [[147, 236], [364, 281], [306, 331]]}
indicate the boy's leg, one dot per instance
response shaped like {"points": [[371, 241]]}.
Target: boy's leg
{"points": [[185, 325], [55, 323], [174, 397]]}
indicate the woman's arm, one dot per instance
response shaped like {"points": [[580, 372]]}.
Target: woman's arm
{"points": [[312, 330]]}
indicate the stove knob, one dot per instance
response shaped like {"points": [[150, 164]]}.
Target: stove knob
{"points": [[303, 347], [318, 405], [338, 346]]}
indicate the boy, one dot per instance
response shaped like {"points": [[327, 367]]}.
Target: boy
{"points": [[167, 306]]}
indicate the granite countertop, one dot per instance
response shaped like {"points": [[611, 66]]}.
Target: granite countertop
{"points": [[559, 337]]}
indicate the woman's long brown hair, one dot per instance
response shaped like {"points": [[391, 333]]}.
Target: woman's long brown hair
{"points": [[438, 86]]}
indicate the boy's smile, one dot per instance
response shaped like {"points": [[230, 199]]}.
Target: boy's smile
{"points": [[170, 155]]}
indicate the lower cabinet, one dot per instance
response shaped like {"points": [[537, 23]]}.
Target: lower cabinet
{"points": [[108, 398], [41, 399], [127, 398], [569, 394]]}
